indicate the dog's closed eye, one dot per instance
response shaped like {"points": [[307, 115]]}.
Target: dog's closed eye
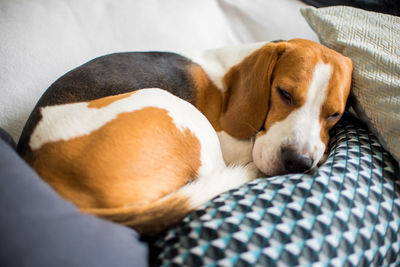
{"points": [[285, 96], [335, 116]]}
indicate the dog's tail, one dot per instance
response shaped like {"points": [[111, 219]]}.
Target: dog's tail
{"points": [[151, 219]]}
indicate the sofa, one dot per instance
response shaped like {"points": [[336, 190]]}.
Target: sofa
{"points": [[347, 213]]}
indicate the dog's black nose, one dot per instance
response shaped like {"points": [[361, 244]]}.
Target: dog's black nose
{"points": [[294, 162]]}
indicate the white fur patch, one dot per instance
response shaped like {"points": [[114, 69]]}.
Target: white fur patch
{"points": [[207, 187], [301, 128]]}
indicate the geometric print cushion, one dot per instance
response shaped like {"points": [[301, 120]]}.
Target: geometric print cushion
{"points": [[347, 213]]}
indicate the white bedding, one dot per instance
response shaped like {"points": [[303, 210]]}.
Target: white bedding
{"points": [[42, 39]]}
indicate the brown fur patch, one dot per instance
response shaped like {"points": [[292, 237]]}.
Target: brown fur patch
{"points": [[105, 101], [148, 219], [208, 97], [246, 100], [137, 158]]}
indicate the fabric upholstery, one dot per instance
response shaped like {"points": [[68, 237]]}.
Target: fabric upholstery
{"points": [[6, 137], [39, 228]]}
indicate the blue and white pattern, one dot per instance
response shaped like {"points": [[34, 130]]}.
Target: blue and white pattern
{"points": [[346, 214]]}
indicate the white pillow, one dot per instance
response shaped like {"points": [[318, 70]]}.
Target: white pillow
{"points": [[43, 39]]}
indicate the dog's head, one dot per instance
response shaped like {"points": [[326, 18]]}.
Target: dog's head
{"points": [[287, 96]]}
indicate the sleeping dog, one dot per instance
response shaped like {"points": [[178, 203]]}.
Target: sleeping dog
{"points": [[105, 137]]}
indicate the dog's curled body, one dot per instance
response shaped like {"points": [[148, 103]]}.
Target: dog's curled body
{"points": [[144, 159], [271, 109]]}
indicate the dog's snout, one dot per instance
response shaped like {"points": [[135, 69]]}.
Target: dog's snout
{"points": [[295, 162]]}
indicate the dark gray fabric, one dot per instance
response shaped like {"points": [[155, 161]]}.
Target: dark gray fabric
{"points": [[7, 138], [391, 7], [39, 228]]}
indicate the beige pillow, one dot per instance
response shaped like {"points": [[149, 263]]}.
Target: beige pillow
{"points": [[372, 41]]}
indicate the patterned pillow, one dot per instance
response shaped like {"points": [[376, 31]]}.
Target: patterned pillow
{"points": [[372, 41], [347, 213]]}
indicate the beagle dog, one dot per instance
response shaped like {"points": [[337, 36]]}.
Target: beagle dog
{"points": [[107, 139]]}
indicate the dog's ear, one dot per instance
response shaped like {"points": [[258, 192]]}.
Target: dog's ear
{"points": [[247, 84]]}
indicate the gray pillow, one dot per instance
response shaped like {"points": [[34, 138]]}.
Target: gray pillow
{"points": [[372, 41], [7, 138], [39, 228]]}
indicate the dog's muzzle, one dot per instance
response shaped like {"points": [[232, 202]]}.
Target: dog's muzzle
{"points": [[294, 161]]}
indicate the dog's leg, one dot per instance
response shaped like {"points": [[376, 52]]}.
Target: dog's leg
{"points": [[235, 151]]}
